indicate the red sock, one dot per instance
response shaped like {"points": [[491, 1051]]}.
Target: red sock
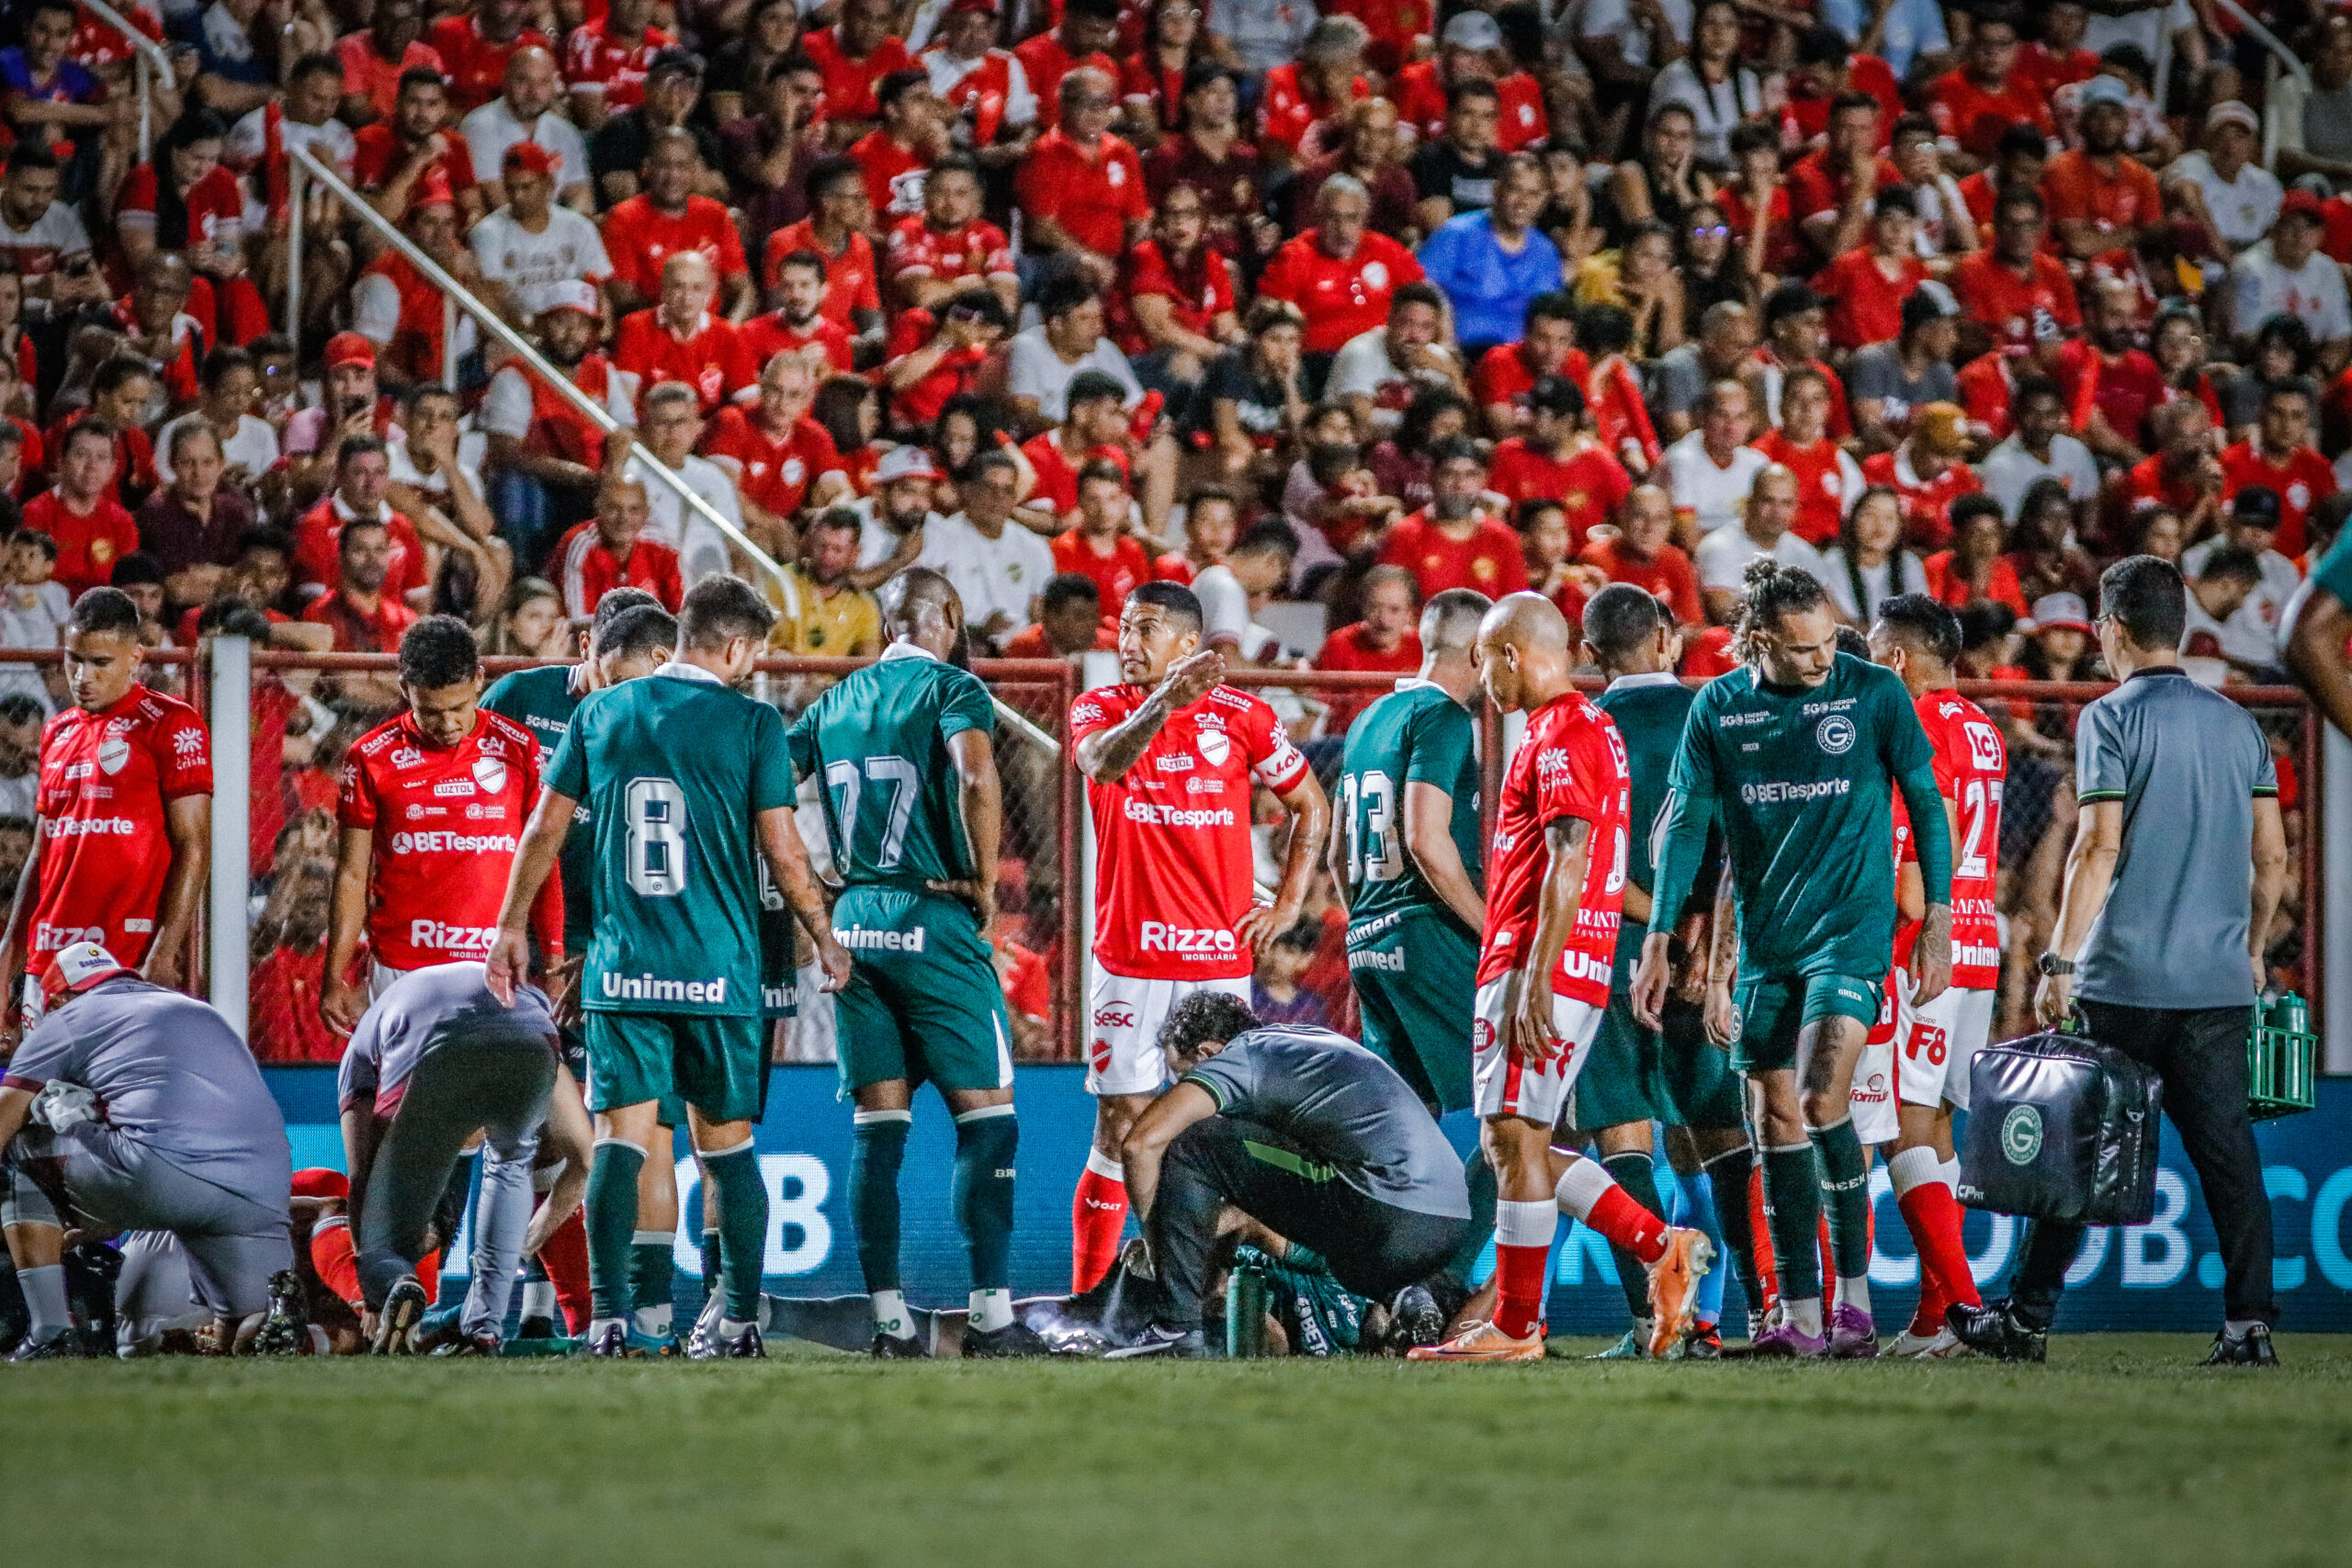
{"points": [[1519, 1287], [1768, 1273], [1933, 1216], [428, 1274], [565, 1257], [1630, 1226], [1098, 1219], [1829, 1265], [331, 1255]]}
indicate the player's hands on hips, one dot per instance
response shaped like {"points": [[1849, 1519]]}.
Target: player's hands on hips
{"points": [[1264, 922], [1931, 956], [982, 899], [1192, 677], [509, 965], [1650, 979], [341, 1003], [1528, 1029], [833, 959], [2054, 1000]]}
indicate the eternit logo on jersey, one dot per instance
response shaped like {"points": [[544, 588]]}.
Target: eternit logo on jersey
{"points": [[653, 988]]}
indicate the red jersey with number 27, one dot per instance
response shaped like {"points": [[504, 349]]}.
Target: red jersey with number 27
{"points": [[105, 778], [1173, 846], [1971, 763], [446, 823], [1571, 763]]}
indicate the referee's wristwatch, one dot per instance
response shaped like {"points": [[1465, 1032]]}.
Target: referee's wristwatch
{"points": [[2050, 964]]}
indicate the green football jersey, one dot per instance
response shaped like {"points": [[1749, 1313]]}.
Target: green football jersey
{"points": [[1649, 711], [543, 701], [674, 768], [1802, 781], [878, 740], [1415, 734]]}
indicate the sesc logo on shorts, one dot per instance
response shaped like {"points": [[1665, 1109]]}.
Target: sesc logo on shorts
{"points": [[1118, 1015], [2021, 1134], [1836, 734]]}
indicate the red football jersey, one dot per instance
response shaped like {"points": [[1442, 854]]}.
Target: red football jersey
{"points": [[2016, 311], [1340, 297], [711, 360], [585, 571], [1489, 560], [640, 238], [595, 62], [775, 473], [849, 276], [1590, 486], [1971, 763], [2302, 482], [446, 823], [1173, 836], [1571, 763], [765, 336], [105, 778], [1118, 574], [977, 250], [849, 81]]}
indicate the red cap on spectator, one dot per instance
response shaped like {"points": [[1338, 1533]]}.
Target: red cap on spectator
{"points": [[350, 348], [2303, 204], [318, 1181], [433, 190], [531, 159]]}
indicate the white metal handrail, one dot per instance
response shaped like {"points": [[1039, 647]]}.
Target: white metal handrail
{"points": [[303, 164], [146, 55]]}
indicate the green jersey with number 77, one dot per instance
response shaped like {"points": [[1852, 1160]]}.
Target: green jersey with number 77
{"points": [[674, 768]]}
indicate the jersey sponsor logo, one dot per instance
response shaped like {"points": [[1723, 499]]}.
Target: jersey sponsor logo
{"points": [[1200, 783], [777, 998], [77, 771], [1159, 937], [479, 813], [443, 840], [489, 773], [488, 746], [1585, 967], [1118, 1015], [443, 937], [407, 757], [1836, 734], [1085, 713], [188, 745], [92, 828], [1741, 720], [1969, 956], [1391, 963], [1174, 762], [114, 754], [1984, 746], [1214, 747], [52, 939], [454, 786], [1154, 815], [649, 987], [1482, 1034], [1777, 792], [860, 939], [1871, 1090], [1371, 929]]}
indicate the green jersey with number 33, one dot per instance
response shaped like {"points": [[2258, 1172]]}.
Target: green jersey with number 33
{"points": [[878, 742], [675, 768], [1416, 734]]}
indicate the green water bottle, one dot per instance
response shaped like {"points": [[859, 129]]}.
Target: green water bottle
{"points": [[2292, 1014], [1245, 1312]]}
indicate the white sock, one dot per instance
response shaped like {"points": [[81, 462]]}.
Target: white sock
{"points": [[1526, 1223], [1855, 1293], [654, 1321], [992, 1310], [1914, 1167], [1584, 1183], [890, 1315], [599, 1326], [539, 1298], [1102, 1164], [44, 1290], [1804, 1317], [1949, 1172]]}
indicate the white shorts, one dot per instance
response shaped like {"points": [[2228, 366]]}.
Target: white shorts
{"points": [[1940, 1044], [1122, 1035], [1875, 1091], [382, 977], [1504, 1082]]}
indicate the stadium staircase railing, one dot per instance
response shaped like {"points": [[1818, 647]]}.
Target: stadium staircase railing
{"points": [[147, 57]]}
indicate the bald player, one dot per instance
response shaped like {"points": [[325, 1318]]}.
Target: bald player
{"points": [[912, 805], [1552, 903]]}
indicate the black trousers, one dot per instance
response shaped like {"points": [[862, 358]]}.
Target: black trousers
{"points": [[2202, 1056], [1375, 1248]]}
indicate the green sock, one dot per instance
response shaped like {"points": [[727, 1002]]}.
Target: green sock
{"points": [[651, 1268], [709, 1259], [743, 1226], [983, 1191], [878, 1143], [1730, 1173], [1846, 1191], [1639, 1176], [1792, 1210], [612, 1225], [1480, 1177]]}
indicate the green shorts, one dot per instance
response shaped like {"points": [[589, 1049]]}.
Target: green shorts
{"points": [[923, 1002], [1701, 1091], [1416, 976], [1623, 1075], [1774, 1010], [718, 1065]]}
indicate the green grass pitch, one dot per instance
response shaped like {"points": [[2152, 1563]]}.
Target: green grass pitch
{"points": [[2119, 1451]]}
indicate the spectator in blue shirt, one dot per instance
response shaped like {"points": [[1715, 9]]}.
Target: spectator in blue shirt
{"points": [[1491, 264], [50, 98]]}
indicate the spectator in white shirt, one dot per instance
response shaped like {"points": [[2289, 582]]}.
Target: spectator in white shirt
{"points": [[2219, 590], [1712, 470], [232, 386], [2039, 448], [524, 111], [2251, 633], [1763, 530], [306, 119], [1868, 565], [999, 568], [1068, 339], [2286, 274], [673, 424], [530, 245], [2221, 188], [1230, 590]]}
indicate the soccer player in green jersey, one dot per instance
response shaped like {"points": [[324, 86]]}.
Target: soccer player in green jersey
{"points": [[915, 812], [1797, 756], [689, 788]]}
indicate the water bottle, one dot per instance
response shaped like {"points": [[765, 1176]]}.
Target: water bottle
{"points": [[1245, 1312]]}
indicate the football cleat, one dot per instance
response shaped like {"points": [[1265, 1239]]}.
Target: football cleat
{"points": [[1853, 1336], [480, 1342], [1674, 1286], [1634, 1346], [285, 1329], [2251, 1348], [1482, 1341], [651, 1344], [897, 1348], [1415, 1319], [64, 1345], [744, 1347], [1995, 1329], [404, 1304], [1700, 1342], [538, 1328], [1015, 1339], [1159, 1339], [612, 1344], [1911, 1345], [1786, 1341]]}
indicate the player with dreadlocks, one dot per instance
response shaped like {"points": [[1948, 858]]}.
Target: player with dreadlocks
{"points": [[1797, 755]]}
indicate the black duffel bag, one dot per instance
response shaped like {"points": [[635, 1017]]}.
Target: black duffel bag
{"points": [[2061, 1128]]}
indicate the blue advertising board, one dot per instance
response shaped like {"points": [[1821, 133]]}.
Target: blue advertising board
{"points": [[2162, 1275]]}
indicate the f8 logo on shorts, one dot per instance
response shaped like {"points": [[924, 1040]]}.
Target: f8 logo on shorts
{"points": [[1931, 1039]]}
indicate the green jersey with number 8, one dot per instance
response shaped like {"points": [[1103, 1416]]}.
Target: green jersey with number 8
{"points": [[674, 768], [1416, 734], [877, 741]]}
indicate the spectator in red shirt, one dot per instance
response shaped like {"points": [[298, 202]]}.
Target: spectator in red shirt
{"points": [[780, 460], [1338, 274], [1081, 190], [1974, 103], [1174, 313], [1826, 69], [1071, 623], [1209, 155], [475, 47], [835, 230], [1308, 93], [1455, 543], [1641, 553], [394, 155], [948, 247], [1383, 642], [680, 340], [2278, 456], [938, 354], [1558, 460], [2020, 159], [666, 219], [2110, 382], [1973, 570], [1089, 29], [1867, 286], [605, 62], [607, 553], [896, 153], [853, 56], [1506, 373], [1831, 189], [377, 57], [362, 476], [1101, 546], [1929, 470], [799, 324], [2183, 472], [363, 616], [92, 529], [2017, 290]]}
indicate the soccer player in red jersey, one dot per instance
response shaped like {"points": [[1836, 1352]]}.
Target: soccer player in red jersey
{"points": [[1555, 889], [90, 527], [607, 552], [1171, 759], [948, 246], [2016, 289], [665, 219], [780, 458], [2279, 455], [1935, 1044], [1340, 275], [123, 833], [432, 805], [1456, 544], [1558, 459], [680, 340]]}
